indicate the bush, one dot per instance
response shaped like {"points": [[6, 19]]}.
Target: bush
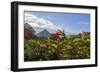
{"points": [[60, 49]]}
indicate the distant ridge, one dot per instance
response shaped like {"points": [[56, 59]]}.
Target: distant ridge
{"points": [[44, 33]]}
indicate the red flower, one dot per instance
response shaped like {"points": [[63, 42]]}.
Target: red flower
{"points": [[60, 46], [57, 35], [46, 45], [26, 35]]}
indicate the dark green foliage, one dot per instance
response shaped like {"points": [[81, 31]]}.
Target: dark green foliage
{"points": [[74, 47]]}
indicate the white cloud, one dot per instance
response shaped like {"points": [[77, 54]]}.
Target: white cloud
{"points": [[40, 23], [29, 18], [83, 23]]}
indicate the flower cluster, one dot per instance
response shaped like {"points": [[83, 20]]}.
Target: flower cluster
{"points": [[26, 35], [57, 35], [46, 45]]}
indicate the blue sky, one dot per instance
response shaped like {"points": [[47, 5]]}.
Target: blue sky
{"points": [[74, 22]]}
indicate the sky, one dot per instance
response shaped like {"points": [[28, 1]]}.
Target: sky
{"points": [[70, 22]]}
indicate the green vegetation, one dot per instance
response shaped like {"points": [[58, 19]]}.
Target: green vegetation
{"points": [[57, 47]]}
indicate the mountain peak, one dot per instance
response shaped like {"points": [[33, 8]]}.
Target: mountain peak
{"points": [[44, 33], [41, 23]]}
